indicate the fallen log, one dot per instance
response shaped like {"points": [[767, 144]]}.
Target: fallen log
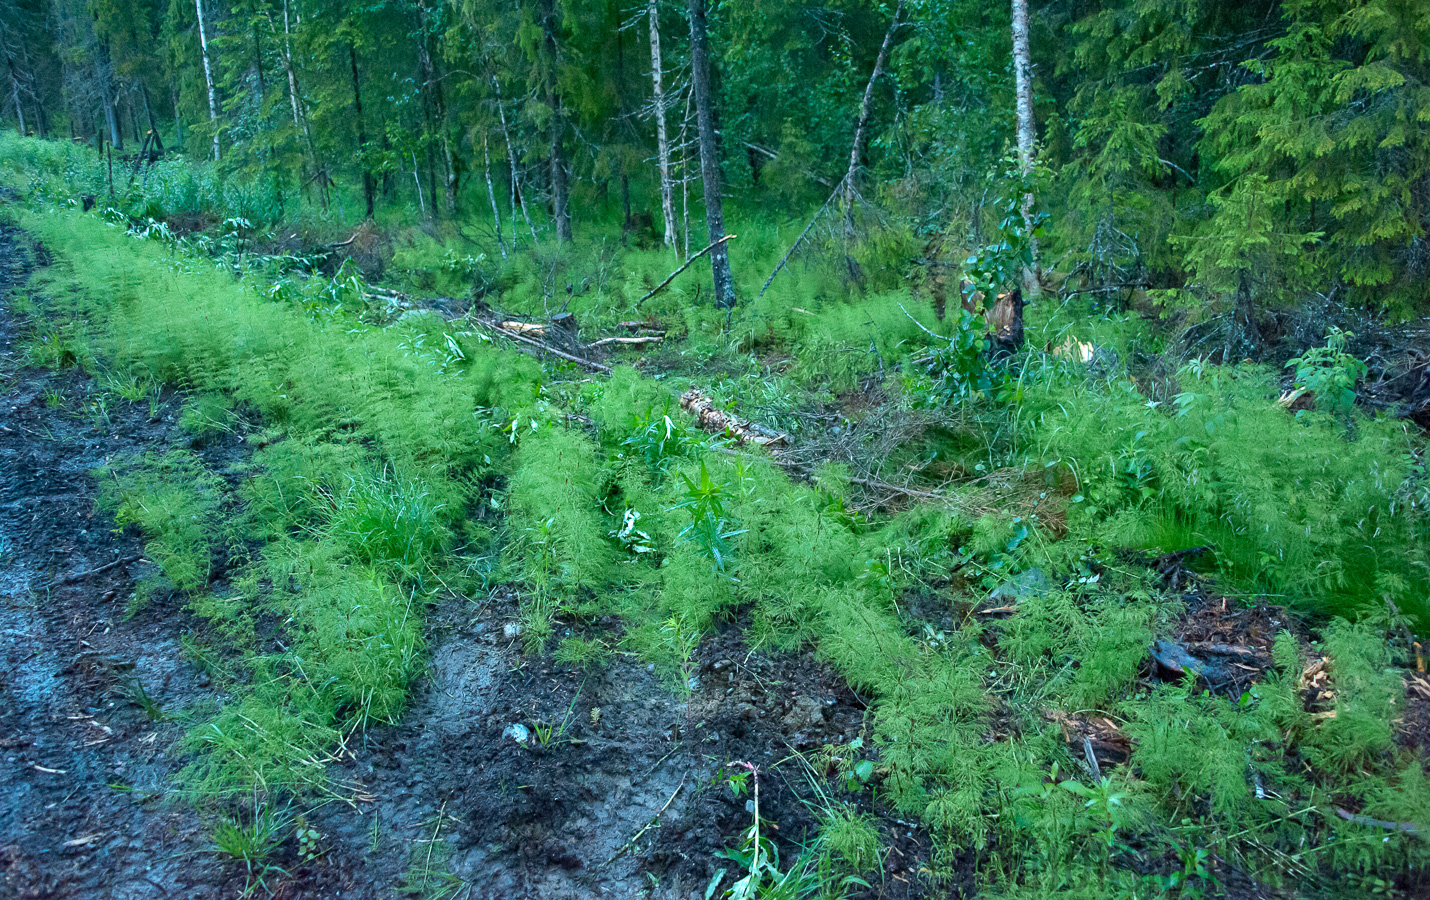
{"points": [[543, 347], [629, 341], [711, 418], [516, 327]]}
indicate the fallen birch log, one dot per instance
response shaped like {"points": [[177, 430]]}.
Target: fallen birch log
{"points": [[711, 418], [629, 341]]}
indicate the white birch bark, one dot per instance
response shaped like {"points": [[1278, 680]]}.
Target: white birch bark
{"points": [[667, 204], [1027, 134], [208, 74]]}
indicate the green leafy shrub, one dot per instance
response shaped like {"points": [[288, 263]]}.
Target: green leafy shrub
{"points": [[1330, 373]]}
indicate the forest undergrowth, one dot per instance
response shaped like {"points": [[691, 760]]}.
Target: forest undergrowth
{"points": [[1082, 514]]}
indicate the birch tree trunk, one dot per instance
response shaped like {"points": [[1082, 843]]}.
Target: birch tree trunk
{"points": [[709, 155], [667, 204], [1027, 134], [496, 215], [862, 125], [300, 112], [208, 74], [517, 195]]}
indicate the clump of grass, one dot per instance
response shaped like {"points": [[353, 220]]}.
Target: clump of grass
{"points": [[382, 518], [253, 842]]}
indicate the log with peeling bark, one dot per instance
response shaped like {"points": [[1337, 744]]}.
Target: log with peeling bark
{"points": [[711, 418], [629, 341], [527, 328]]}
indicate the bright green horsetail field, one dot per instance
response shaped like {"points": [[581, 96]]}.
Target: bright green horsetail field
{"points": [[395, 464]]}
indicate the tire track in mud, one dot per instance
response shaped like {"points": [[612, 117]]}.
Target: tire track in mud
{"points": [[87, 810]]}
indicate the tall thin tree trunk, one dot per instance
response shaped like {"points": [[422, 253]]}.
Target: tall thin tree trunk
{"points": [[685, 175], [208, 77], [178, 123], [300, 113], [258, 68], [15, 94], [368, 188], [657, 77], [288, 69], [517, 195], [42, 118], [862, 124], [496, 215], [111, 121], [449, 161], [556, 125], [1027, 134], [709, 155], [560, 202], [15, 90]]}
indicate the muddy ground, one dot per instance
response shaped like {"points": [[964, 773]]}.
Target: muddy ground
{"points": [[625, 799]]}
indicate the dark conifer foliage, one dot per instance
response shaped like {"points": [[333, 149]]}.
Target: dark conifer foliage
{"points": [[1208, 152]]}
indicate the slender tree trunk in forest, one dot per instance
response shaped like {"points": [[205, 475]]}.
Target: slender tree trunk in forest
{"points": [[292, 78], [41, 118], [496, 215], [15, 90], [431, 108], [560, 203], [667, 204], [517, 195], [685, 176], [258, 67], [208, 74], [709, 155], [1027, 135], [178, 123], [368, 188], [556, 125], [15, 94], [862, 124], [300, 113], [449, 161], [111, 121]]}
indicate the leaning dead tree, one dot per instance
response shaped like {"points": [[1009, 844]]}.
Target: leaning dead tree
{"points": [[862, 123], [847, 188]]}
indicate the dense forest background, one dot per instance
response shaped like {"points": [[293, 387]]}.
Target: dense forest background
{"points": [[1215, 159]]}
